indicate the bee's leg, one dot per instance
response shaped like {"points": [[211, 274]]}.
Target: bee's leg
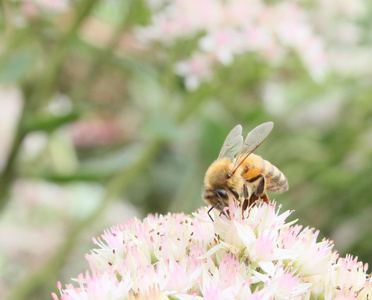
{"points": [[265, 198], [235, 194], [260, 191], [246, 200], [245, 191], [253, 200]]}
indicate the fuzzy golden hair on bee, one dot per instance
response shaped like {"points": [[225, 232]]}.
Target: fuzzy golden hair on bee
{"points": [[237, 171]]}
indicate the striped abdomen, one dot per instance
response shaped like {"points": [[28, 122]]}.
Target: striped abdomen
{"points": [[255, 165]]}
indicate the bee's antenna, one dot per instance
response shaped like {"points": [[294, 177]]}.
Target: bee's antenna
{"points": [[209, 213]]}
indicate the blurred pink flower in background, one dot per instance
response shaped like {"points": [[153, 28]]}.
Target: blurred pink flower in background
{"points": [[225, 29], [57, 6], [229, 28], [255, 255], [195, 70]]}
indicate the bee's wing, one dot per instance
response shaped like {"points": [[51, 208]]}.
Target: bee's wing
{"points": [[232, 144], [254, 138]]}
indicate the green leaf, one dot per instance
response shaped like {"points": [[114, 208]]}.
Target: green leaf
{"points": [[15, 67]]}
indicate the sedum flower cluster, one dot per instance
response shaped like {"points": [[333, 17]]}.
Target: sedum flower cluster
{"points": [[255, 254], [217, 31], [224, 29]]}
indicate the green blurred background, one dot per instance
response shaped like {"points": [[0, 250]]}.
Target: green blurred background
{"points": [[96, 127]]}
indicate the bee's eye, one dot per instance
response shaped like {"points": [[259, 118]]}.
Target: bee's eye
{"points": [[222, 194]]}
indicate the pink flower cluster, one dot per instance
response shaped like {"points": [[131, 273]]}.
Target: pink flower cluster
{"points": [[225, 29], [253, 255]]}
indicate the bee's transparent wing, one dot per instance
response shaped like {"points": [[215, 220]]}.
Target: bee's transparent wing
{"points": [[232, 144], [254, 138]]}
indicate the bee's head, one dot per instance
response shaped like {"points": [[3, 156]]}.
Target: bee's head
{"points": [[216, 175], [218, 198]]}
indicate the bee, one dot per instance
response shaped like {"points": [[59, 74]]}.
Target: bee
{"points": [[237, 172]]}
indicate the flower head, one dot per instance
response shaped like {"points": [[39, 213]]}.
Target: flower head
{"points": [[254, 254]]}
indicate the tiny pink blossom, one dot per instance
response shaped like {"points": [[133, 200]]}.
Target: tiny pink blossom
{"points": [[263, 247], [195, 70]]}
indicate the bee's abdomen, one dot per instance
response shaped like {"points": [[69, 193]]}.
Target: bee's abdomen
{"points": [[275, 179]]}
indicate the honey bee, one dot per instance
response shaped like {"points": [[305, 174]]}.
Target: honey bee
{"points": [[237, 172]]}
